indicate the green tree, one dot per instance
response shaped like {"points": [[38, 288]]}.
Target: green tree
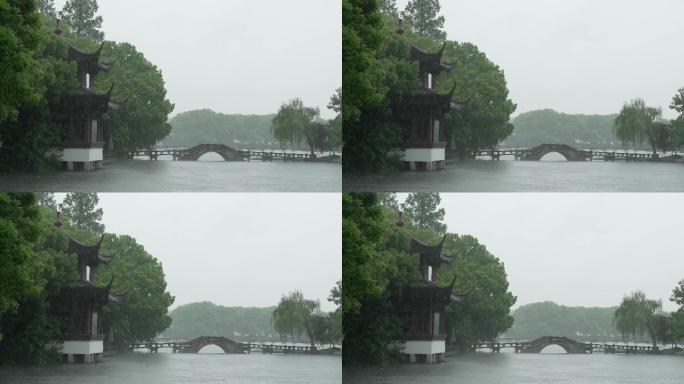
{"points": [[483, 122], [19, 230], [80, 208], [678, 102], [637, 123], [295, 123], [20, 36], [47, 7], [296, 315], [389, 200], [636, 316], [47, 199], [80, 17], [484, 314], [144, 121], [678, 294], [389, 8], [423, 208], [144, 313], [422, 15], [369, 327]]}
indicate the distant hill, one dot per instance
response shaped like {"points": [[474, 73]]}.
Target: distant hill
{"points": [[208, 319], [208, 127], [550, 127], [550, 319]]}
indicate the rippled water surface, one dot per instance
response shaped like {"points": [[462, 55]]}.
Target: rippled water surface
{"points": [[167, 368], [505, 368], [530, 176], [210, 175]]}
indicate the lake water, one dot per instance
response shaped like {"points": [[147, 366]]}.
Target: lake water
{"points": [[550, 175], [505, 368], [211, 174], [184, 368]]}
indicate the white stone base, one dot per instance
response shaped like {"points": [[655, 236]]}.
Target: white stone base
{"points": [[82, 159], [82, 155], [87, 351], [426, 351], [432, 158]]}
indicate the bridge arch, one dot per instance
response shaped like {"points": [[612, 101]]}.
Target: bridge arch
{"points": [[228, 346], [570, 346], [570, 153], [227, 153]]}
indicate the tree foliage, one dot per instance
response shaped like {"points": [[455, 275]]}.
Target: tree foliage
{"points": [[678, 102], [143, 122], [80, 208], [80, 16], [295, 123], [144, 313], [423, 16], [19, 230], [423, 209], [389, 8], [47, 7], [296, 315], [20, 35], [638, 123], [636, 316]]}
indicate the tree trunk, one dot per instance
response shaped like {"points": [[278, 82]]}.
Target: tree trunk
{"points": [[309, 333]]}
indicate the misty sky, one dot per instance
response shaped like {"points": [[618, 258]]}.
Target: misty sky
{"points": [[579, 56], [577, 249], [235, 249], [237, 56]]}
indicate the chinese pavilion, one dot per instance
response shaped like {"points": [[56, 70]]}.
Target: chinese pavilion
{"points": [[79, 114], [421, 114], [422, 304], [79, 307]]}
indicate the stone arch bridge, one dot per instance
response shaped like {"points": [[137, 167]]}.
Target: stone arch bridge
{"points": [[570, 153]]}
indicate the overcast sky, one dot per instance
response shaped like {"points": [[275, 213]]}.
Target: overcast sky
{"points": [[235, 249], [579, 56], [577, 249], [236, 56]]}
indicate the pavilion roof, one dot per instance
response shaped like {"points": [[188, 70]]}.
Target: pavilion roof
{"points": [[431, 62], [432, 254]]}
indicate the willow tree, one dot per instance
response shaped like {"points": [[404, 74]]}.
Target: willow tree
{"points": [[294, 316], [638, 316], [638, 123], [296, 122]]}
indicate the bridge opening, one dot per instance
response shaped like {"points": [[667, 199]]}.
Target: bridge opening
{"points": [[554, 349], [211, 157], [212, 349], [553, 157]]}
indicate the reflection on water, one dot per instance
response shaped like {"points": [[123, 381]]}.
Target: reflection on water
{"points": [[505, 368], [211, 174], [186, 368], [552, 175]]}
